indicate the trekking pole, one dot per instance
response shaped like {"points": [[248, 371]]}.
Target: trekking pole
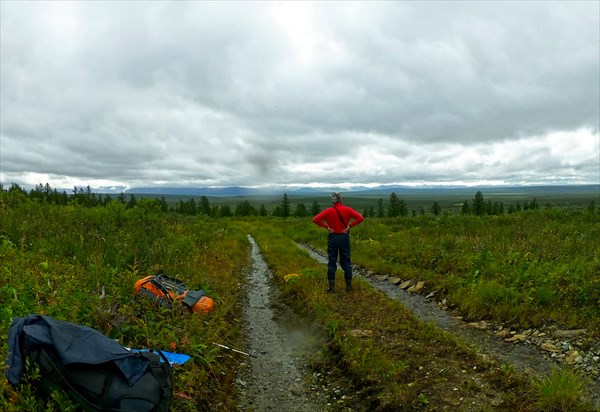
{"points": [[234, 350]]}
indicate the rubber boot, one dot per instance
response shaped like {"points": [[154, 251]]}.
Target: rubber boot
{"points": [[331, 287], [348, 285]]}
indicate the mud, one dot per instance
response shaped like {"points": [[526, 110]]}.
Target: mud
{"points": [[276, 377]]}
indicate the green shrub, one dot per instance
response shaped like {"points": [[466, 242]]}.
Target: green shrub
{"points": [[562, 391]]}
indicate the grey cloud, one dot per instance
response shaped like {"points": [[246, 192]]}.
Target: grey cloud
{"points": [[219, 92]]}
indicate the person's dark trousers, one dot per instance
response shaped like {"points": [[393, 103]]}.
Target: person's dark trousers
{"points": [[339, 245]]}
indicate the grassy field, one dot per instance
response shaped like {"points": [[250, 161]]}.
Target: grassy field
{"points": [[525, 269], [79, 264]]}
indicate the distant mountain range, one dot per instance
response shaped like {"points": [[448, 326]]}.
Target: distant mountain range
{"points": [[197, 191], [240, 191]]}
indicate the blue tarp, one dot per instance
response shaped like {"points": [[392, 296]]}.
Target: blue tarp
{"points": [[172, 357]]}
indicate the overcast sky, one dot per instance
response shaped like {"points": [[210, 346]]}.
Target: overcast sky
{"points": [[130, 94]]}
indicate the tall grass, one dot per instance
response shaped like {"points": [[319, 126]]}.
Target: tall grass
{"points": [[79, 265], [526, 269], [561, 391]]}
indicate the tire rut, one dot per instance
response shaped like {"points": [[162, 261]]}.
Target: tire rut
{"points": [[524, 358], [275, 377]]}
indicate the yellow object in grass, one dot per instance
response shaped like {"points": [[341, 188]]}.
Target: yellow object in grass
{"points": [[291, 276]]}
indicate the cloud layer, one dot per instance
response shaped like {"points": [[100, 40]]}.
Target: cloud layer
{"points": [[218, 94]]}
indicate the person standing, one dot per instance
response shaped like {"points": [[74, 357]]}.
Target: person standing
{"points": [[338, 219]]}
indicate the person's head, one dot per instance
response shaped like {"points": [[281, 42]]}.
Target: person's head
{"points": [[336, 197]]}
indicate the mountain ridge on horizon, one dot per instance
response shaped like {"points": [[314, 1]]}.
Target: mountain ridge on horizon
{"points": [[229, 191]]}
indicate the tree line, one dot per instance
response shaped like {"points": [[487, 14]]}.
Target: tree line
{"points": [[395, 206]]}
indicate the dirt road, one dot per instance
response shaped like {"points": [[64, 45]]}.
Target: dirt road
{"points": [[277, 378], [523, 357]]}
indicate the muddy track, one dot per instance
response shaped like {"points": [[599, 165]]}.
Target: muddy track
{"points": [[525, 358], [276, 377]]}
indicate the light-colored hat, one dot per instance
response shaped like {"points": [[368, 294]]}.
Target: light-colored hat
{"points": [[336, 197]]}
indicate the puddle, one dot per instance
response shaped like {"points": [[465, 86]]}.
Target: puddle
{"points": [[276, 377]]}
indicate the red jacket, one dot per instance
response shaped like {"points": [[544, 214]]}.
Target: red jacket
{"points": [[330, 218]]}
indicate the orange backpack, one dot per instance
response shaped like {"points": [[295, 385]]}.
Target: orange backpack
{"points": [[165, 290]]}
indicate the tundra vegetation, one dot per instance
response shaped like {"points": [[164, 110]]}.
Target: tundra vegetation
{"points": [[76, 257]]}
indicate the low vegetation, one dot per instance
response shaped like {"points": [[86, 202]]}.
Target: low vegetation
{"points": [[526, 269], [77, 262], [398, 362]]}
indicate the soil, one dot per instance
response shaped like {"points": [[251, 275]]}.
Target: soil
{"points": [[277, 375]]}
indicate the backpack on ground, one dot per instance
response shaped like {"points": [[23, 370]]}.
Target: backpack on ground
{"points": [[165, 290], [102, 388], [96, 372]]}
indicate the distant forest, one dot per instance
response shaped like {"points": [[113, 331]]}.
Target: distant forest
{"points": [[378, 207]]}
